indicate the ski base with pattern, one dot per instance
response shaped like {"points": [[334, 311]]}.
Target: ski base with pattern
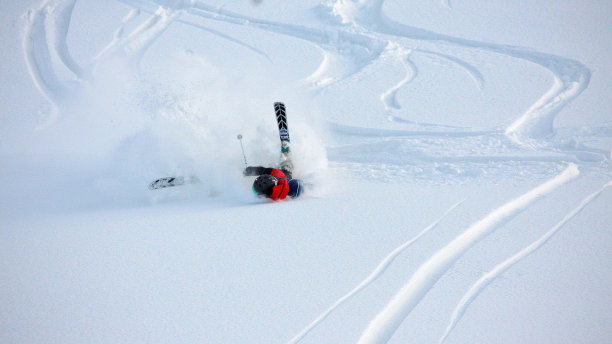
{"points": [[283, 131], [172, 181]]}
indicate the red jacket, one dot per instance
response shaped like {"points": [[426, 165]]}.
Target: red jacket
{"points": [[281, 190]]}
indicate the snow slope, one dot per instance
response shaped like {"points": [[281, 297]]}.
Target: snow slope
{"points": [[460, 154]]}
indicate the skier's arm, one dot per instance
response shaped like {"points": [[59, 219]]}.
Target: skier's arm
{"points": [[259, 170], [256, 170]]}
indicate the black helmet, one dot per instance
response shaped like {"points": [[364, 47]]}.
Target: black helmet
{"points": [[263, 184]]}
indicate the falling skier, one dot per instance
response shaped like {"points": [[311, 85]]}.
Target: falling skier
{"points": [[277, 183], [273, 183]]}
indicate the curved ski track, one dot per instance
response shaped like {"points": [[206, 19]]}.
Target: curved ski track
{"points": [[389, 319], [378, 271], [487, 278], [362, 37]]}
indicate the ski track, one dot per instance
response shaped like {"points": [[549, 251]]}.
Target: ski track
{"points": [[472, 71], [389, 97], [374, 275], [62, 26], [570, 77], [46, 34], [134, 45], [374, 132], [147, 7], [38, 59], [346, 52], [384, 325], [490, 276]]}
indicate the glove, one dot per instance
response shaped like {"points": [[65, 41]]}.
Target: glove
{"points": [[286, 165], [250, 171]]}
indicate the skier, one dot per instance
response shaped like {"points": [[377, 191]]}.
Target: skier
{"points": [[274, 183]]}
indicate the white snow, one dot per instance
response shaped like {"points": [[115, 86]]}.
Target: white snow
{"points": [[498, 270], [385, 324], [486, 121]]}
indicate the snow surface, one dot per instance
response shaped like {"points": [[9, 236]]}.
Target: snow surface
{"points": [[459, 152]]}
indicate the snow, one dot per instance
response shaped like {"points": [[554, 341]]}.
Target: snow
{"points": [[385, 324], [499, 269], [459, 152]]}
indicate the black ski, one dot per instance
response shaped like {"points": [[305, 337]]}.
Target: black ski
{"points": [[283, 128], [172, 181], [283, 131]]}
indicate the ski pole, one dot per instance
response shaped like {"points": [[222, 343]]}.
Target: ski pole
{"points": [[242, 147]]}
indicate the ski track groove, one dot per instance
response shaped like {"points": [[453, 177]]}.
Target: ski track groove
{"points": [[137, 42], [570, 76], [472, 71], [389, 97], [384, 325], [374, 132], [38, 59], [145, 6], [374, 275], [61, 27], [490, 276], [340, 43], [48, 27]]}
